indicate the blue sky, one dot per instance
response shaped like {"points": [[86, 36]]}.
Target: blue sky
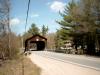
{"points": [[42, 12]]}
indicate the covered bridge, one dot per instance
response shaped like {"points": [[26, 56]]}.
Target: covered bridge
{"points": [[36, 42]]}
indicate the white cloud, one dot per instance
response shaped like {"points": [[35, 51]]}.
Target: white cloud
{"points": [[15, 21], [57, 6], [34, 15]]}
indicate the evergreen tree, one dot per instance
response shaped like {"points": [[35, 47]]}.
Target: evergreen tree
{"points": [[81, 21], [68, 23], [44, 30], [33, 30]]}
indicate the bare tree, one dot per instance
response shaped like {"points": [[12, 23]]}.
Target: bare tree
{"points": [[50, 41], [5, 15], [8, 40]]}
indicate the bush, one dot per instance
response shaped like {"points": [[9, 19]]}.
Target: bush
{"points": [[9, 50]]}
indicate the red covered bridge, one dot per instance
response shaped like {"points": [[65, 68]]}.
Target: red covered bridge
{"points": [[36, 42]]}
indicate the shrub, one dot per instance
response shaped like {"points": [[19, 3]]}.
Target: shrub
{"points": [[9, 46]]}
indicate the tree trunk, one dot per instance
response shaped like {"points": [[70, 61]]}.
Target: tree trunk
{"points": [[90, 44]]}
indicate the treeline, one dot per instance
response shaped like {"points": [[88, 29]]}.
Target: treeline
{"points": [[43, 31], [81, 24], [9, 42], [34, 30]]}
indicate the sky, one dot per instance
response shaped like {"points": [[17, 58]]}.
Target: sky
{"points": [[41, 12]]}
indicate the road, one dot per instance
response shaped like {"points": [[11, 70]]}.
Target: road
{"points": [[85, 61], [65, 64]]}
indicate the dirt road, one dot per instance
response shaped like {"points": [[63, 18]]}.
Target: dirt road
{"points": [[55, 67]]}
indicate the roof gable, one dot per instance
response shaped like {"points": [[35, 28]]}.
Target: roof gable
{"points": [[36, 36]]}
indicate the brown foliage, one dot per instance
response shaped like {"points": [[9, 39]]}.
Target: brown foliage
{"points": [[9, 49]]}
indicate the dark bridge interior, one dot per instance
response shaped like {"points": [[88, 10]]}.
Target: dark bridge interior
{"points": [[40, 45]]}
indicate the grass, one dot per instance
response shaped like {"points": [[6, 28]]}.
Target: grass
{"points": [[15, 67]]}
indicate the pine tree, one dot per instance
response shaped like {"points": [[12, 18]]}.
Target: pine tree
{"points": [[81, 22], [44, 30], [33, 30]]}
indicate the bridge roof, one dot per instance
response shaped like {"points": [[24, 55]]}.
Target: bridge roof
{"points": [[34, 37]]}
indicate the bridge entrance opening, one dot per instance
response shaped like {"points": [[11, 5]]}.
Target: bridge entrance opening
{"points": [[37, 45]]}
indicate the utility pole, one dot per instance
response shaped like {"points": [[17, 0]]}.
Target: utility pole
{"points": [[22, 37]]}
